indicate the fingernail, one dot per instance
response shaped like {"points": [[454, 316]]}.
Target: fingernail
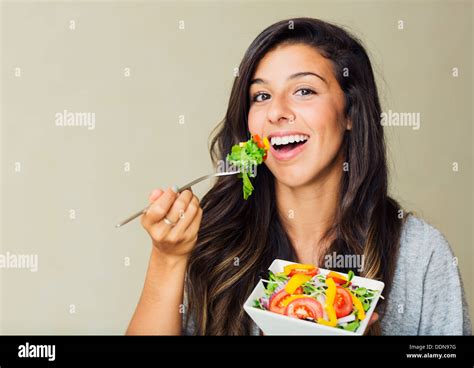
{"points": [[174, 188]]}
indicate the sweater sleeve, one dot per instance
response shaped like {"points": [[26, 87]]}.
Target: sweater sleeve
{"points": [[444, 306]]}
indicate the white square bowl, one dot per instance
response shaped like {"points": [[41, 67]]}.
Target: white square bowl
{"points": [[276, 324]]}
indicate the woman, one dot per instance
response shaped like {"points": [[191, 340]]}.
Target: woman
{"points": [[325, 195]]}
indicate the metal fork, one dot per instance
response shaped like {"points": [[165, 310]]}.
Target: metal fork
{"points": [[184, 187]]}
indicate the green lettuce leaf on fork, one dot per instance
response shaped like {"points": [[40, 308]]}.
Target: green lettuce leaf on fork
{"points": [[248, 155]]}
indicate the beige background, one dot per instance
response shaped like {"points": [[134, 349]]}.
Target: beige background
{"points": [[82, 261]]}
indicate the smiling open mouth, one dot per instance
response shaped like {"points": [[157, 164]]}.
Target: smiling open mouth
{"points": [[288, 143]]}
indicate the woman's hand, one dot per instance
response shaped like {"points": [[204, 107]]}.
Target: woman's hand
{"points": [[373, 319], [173, 221]]}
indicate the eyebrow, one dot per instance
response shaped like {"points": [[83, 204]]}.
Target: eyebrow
{"points": [[293, 76]]}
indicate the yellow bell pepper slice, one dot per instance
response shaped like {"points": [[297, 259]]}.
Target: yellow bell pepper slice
{"points": [[329, 305], [287, 270], [336, 275], [266, 143], [322, 321], [358, 305], [295, 282], [288, 300]]}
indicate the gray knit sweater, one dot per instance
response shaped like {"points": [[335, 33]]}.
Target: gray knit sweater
{"points": [[427, 295]]}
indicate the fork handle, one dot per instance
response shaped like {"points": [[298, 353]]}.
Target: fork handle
{"points": [[139, 213], [132, 217], [187, 186]]}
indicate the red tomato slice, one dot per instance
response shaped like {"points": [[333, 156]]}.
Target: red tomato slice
{"points": [[259, 141], [304, 308], [342, 302], [276, 300], [298, 291], [337, 280], [302, 271]]}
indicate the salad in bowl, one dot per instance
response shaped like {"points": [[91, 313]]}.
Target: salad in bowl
{"points": [[304, 299]]}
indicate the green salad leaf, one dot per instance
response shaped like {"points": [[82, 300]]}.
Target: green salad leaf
{"points": [[350, 275], [353, 326], [274, 282], [257, 304], [247, 156]]}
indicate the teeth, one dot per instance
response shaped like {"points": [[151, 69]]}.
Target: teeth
{"points": [[288, 139]]}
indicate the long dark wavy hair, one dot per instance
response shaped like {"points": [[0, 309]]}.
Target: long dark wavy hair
{"points": [[238, 239]]}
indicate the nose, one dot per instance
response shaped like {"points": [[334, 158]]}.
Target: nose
{"points": [[279, 111]]}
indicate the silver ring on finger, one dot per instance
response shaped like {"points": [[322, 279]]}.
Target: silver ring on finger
{"points": [[169, 222]]}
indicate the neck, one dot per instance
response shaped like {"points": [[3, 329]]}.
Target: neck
{"points": [[308, 211]]}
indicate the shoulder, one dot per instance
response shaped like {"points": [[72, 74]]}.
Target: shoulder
{"points": [[422, 243], [424, 254], [426, 284]]}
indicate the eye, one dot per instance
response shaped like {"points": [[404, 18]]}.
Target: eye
{"points": [[258, 97], [305, 92]]}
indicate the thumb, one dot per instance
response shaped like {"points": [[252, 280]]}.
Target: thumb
{"points": [[373, 318]]}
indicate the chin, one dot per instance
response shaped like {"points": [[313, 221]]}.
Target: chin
{"points": [[291, 176]]}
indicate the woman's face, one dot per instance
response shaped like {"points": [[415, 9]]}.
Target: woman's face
{"points": [[294, 96]]}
